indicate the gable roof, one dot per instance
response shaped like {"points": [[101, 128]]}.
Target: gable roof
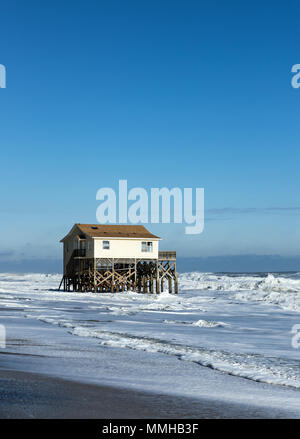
{"points": [[112, 231]]}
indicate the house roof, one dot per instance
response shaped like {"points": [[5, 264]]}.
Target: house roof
{"points": [[112, 231]]}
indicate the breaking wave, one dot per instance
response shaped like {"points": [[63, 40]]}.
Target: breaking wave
{"points": [[277, 289], [256, 367]]}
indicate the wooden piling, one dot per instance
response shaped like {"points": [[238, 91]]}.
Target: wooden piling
{"points": [[115, 275]]}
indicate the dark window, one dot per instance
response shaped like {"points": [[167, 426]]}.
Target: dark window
{"points": [[147, 247], [105, 245]]}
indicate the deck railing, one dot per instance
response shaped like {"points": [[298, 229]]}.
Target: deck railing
{"points": [[167, 255]]}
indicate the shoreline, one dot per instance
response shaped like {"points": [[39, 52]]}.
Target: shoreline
{"points": [[26, 395], [124, 363]]}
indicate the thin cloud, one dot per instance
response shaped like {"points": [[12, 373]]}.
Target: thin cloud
{"points": [[6, 254], [245, 210]]}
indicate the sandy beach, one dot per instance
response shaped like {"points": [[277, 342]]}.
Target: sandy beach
{"points": [[27, 395]]}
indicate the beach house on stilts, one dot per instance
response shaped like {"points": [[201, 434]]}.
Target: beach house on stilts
{"points": [[113, 258]]}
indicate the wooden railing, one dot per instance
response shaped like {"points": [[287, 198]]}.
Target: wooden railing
{"points": [[167, 255], [79, 253]]}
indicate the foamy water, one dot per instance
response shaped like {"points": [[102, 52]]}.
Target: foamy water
{"points": [[236, 324], [278, 289]]}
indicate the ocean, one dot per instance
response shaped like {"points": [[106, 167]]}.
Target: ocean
{"points": [[227, 336]]}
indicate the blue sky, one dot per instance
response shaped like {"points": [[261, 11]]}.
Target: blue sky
{"points": [[161, 93]]}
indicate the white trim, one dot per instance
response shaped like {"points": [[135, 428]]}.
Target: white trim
{"points": [[104, 238]]}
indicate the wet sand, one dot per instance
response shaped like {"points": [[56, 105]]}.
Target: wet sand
{"points": [[28, 395]]}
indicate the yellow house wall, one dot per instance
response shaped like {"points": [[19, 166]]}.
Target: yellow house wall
{"points": [[119, 248], [125, 248]]}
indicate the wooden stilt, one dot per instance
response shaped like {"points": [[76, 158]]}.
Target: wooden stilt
{"points": [[113, 276], [176, 286], [143, 284], [170, 285], [134, 286], [117, 275]]}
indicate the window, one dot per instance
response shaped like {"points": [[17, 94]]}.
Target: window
{"points": [[67, 247], [75, 244], [105, 245], [147, 247], [89, 246]]}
